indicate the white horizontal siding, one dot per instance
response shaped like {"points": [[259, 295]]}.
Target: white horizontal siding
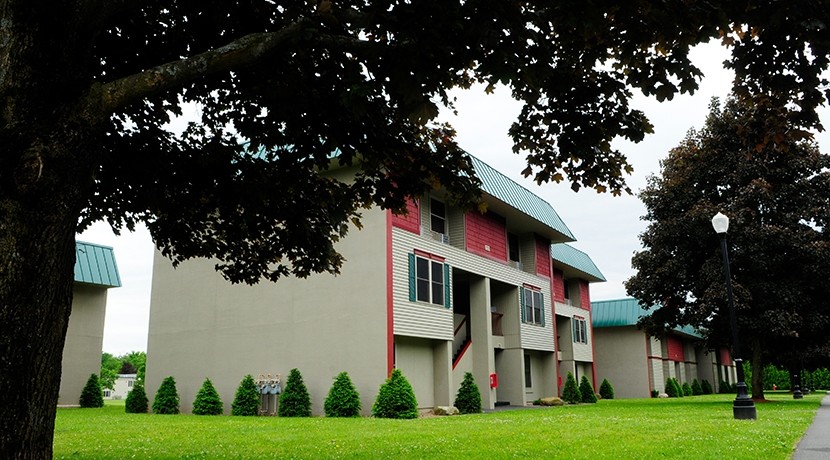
{"points": [[424, 320]]}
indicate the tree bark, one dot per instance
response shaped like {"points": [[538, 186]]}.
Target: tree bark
{"points": [[37, 250], [757, 372]]}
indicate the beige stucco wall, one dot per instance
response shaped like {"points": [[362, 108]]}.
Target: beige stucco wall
{"points": [[202, 326], [84, 340], [621, 357]]}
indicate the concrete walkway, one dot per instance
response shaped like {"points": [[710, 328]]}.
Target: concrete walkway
{"points": [[815, 445]]}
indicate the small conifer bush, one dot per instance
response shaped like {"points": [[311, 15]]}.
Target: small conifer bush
{"points": [[92, 395], [207, 400], [725, 387], [677, 384], [167, 398], [571, 393], [294, 400], [606, 391], [586, 390], [343, 399], [395, 398], [137, 402], [687, 389], [671, 388], [246, 400], [468, 399], [706, 387], [696, 389]]}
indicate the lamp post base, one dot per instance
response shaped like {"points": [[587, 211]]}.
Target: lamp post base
{"points": [[744, 407]]}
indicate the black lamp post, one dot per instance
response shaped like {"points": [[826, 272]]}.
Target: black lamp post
{"points": [[743, 407]]}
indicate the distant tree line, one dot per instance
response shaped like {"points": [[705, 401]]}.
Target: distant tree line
{"points": [[133, 362]]}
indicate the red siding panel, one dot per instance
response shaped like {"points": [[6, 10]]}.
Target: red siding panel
{"points": [[675, 349], [558, 286], [725, 357], [543, 257], [410, 221], [584, 295], [483, 231]]}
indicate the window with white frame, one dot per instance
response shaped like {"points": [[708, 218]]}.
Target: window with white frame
{"points": [[580, 330], [429, 280], [437, 216], [533, 306]]}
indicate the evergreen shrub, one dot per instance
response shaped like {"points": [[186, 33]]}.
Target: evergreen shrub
{"points": [[294, 400], [696, 388], [343, 399], [137, 402], [167, 398], [671, 388], [571, 393], [687, 389], [246, 400], [586, 390], [725, 387], [207, 400], [92, 395], [468, 399], [395, 398], [706, 387], [606, 391]]}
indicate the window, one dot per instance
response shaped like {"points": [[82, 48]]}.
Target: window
{"points": [[429, 280], [567, 287], [438, 216], [533, 306], [513, 247], [107, 393], [130, 383], [528, 373], [580, 330]]}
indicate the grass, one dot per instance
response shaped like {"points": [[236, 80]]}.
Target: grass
{"points": [[699, 427]]}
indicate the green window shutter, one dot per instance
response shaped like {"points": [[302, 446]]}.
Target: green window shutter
{"points": [[575, 329], [412, 293], [522, 303], [542, 296], [447, 290]]}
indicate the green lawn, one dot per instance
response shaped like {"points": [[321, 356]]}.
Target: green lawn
{"points": [[698, 427]]}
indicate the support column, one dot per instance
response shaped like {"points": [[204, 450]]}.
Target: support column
{"points": [[482, 336], [442, 373]]}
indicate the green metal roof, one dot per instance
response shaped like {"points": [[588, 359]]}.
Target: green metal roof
{"points": [[577, 260], [625, 312], [508, 191], [95, 264]]}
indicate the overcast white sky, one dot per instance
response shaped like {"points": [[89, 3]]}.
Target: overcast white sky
{"points": [[606, 227]]}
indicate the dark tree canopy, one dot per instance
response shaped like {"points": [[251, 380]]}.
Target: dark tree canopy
{"points": [[289, 89], [778, 202]]}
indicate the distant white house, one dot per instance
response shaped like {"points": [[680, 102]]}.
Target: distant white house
{"points": [[123, 385]]}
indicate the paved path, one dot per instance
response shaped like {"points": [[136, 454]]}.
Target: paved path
{"points": [[815, 445]]}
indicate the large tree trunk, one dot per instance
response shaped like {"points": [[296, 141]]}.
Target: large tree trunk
{"points": [[36, 257], [45, 176], [757, 372]]}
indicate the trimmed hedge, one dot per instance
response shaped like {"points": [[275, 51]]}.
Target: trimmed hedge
{"points": [[468, 399], [395, 398], [137, 402], [606, 391], [246, 401], [294, 400], [586, 390], [343, 399], [167, 398], [571, 393], [207, 400], [92, 395]]}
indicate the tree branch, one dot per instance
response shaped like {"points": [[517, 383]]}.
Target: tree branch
{"points": [[236, 54]]}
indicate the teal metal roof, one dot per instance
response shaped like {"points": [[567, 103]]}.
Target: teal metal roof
{"points": [[508, 191], [625, 312], [568, 255], [95, 264]]}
